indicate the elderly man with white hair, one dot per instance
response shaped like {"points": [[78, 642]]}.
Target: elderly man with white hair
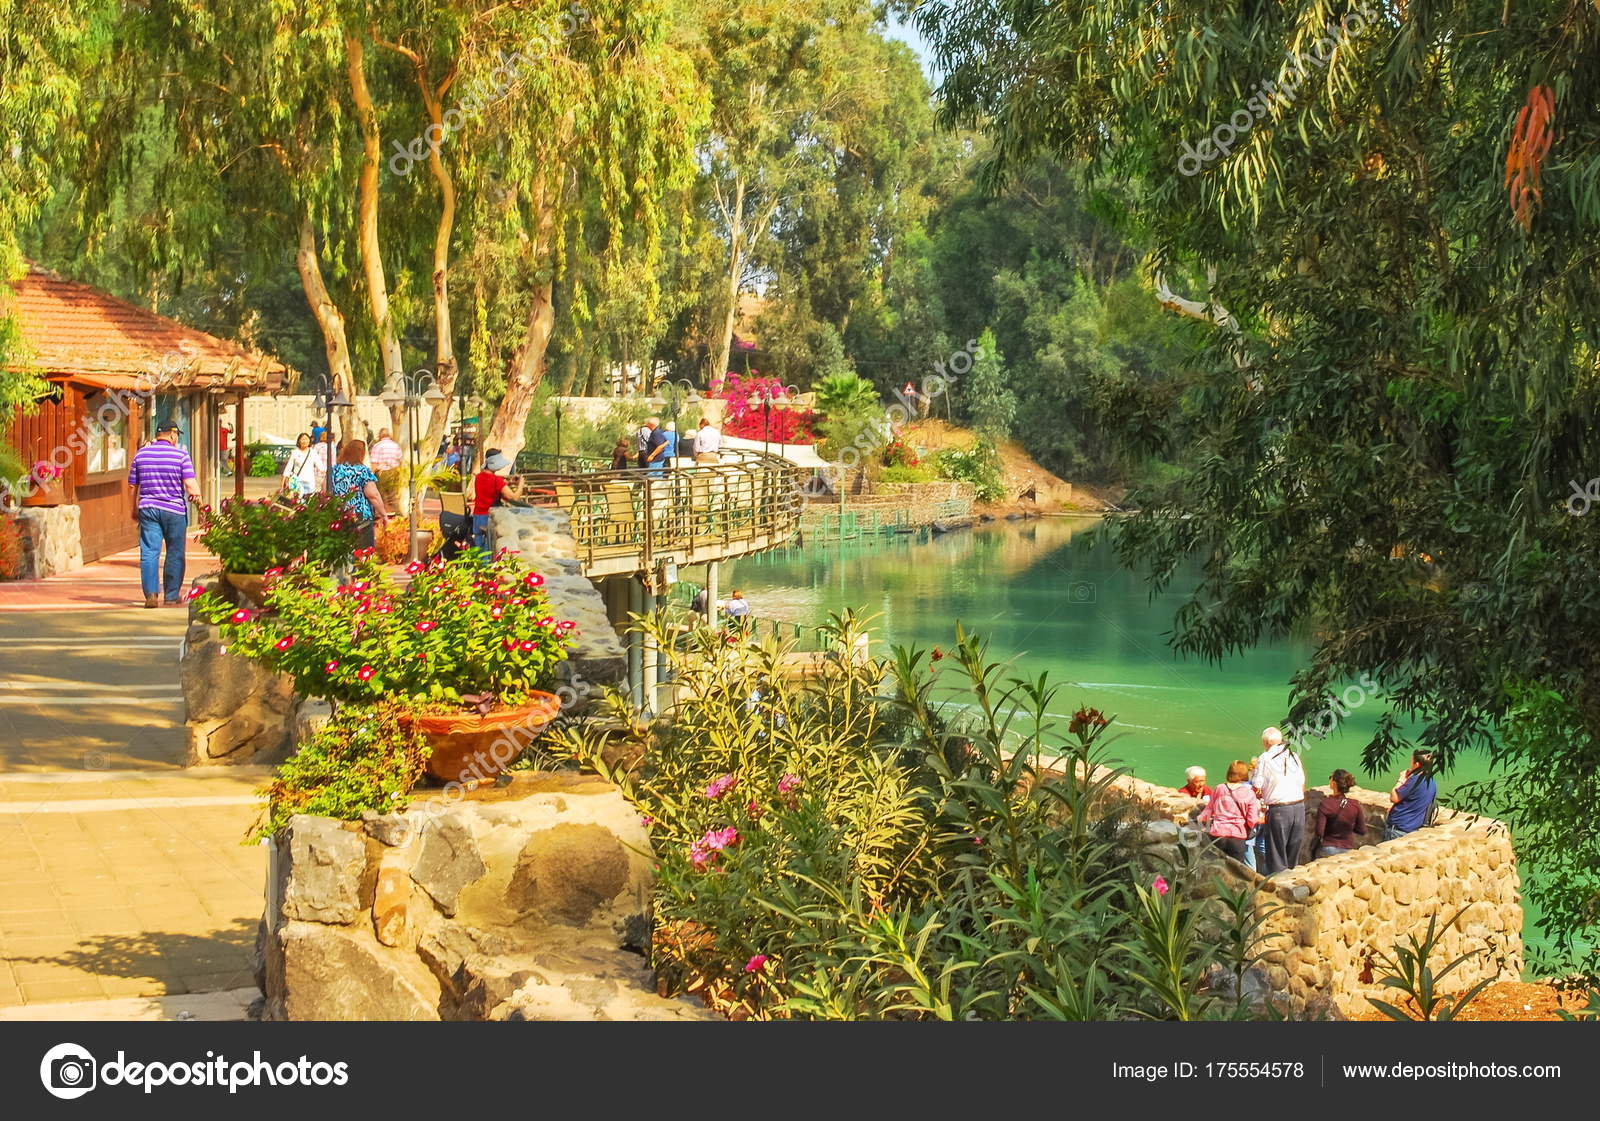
{"points": [[1280, 779], [1196, 786]]}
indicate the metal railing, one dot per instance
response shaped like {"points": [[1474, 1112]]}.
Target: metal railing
{"points": [[548, 463], [635, 520]]}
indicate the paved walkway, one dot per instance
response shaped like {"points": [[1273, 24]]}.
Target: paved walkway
{"points": [[121, 875]]}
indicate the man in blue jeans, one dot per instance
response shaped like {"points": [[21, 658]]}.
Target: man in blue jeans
{"points": [[162, 478]]}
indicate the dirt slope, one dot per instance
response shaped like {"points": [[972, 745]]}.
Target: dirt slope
{"points": [[1020, 471]]}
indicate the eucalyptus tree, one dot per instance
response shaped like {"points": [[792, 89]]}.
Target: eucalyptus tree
{"points": [[1382, 220], [48, 48]]}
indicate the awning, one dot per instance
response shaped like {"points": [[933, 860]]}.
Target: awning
{"points": [[101, 381]]}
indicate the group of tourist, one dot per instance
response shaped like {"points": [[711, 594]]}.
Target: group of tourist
{"points": [[654, 446], [1258, 816]]}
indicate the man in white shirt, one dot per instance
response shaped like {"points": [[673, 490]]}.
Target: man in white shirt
{"points": [[384, 455], [707, 443], [1281, 781]]}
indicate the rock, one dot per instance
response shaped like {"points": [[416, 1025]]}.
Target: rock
{"points": [[330, 973], [1161, 833], [235, 711], [447, 861], [392, 829], [566, 873], [391, 918], [50, 538], [323, 871]]}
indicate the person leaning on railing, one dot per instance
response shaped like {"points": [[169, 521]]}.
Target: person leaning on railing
{"points": [[490, 488]]}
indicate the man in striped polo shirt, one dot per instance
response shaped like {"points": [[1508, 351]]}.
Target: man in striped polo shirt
{"points": [[162, 477]]}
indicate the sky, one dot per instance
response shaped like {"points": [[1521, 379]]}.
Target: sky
{"points": [[906, 32]]}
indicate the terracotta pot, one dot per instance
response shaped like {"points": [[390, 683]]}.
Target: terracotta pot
{"points": [[471, 747], [247, 584], [50, 492]]}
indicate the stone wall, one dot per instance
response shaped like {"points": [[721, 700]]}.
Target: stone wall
{"points": [[523, 902], [919, 501], [543, 540], [52, 541], [1328, 922], [235, 712]]}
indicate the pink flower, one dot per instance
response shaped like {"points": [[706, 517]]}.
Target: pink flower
{"points": [[788, 783], [426, 625], [704, 851], [1160, 885], [330, 667], [365, 673], [722, 838], [720, 786], [646, 820], [755, 964], [240, 616], [284, 643]]}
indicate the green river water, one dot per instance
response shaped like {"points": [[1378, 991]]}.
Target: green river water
{"points": [[1043, 593]]}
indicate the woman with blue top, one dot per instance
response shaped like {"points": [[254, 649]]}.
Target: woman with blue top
{"points": [[354, 481]]}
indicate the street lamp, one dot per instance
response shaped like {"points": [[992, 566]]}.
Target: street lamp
{"points": [[763, 397], [412, 390], [326, 400]]}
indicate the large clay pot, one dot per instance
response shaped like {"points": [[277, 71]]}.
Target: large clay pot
{"points": [[468, 747], [48, 492], [247, 584]]}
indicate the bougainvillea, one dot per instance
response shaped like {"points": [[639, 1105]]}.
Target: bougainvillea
{"points": [[773, 417]]}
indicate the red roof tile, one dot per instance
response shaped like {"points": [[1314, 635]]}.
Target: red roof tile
{"points": [[73, 330]]}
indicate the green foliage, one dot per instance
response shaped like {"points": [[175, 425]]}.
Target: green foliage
{"points": [[475, 631], [258, 535], [989, 400], [364, 757], [940, 851], [845, 394], [978, 465], [1392, 393], [898, 473], [263, 465], [1411, 971]]}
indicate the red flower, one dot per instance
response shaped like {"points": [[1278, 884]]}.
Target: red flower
{"points": [[197, 591], [526, 645], [533, 579], [496, 611], [273, 572], [240, 616], [426, 625], [284, 643], [330, 667], [365, 673], [937, 655], [414, 567], [547, 621], [756, 964], [565, 625]]}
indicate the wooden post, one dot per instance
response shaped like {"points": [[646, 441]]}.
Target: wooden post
{"points": [[238, 447]]}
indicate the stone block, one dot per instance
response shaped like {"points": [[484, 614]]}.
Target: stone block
{"points": [[235, 711], [318, 972], [567, 873], [322, 871], [447, 860]]}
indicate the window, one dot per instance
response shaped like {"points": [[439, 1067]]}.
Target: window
{"points": [[107, 434]]}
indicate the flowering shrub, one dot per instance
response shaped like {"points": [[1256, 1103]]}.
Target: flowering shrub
{"points": [[365, 757], [767, 419], [254, 535], [827, 851], [898, 453], [476, 631], [393, 542], [44, 471]]}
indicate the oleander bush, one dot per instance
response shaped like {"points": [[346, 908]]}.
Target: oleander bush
{"points": [[907, 838]]}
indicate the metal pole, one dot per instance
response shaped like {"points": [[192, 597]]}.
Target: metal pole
{"points": [[650, 676], [635, 667], [411, 432], [711, 594]]}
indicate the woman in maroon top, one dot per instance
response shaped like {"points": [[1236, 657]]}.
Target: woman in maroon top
{"points": [[1340, 818]]}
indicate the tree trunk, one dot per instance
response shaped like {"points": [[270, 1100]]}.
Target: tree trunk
{"points": [[527, 370], [719, 368], [329, 319], [367, 228]]}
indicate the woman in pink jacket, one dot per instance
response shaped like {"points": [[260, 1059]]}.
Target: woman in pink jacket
{"points": [[1233, 811]]}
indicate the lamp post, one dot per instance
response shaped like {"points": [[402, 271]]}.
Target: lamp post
{"points": [[412, 390], [763, 397], [327, 399]]}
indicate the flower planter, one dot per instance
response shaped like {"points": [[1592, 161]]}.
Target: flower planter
{"points": [[247, 584], [469, 747], [46, 492]]}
